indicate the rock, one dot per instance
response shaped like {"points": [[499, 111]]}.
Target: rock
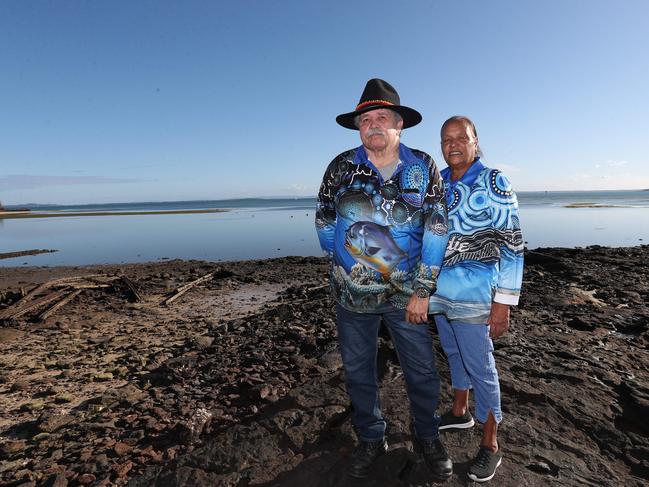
{"points": [[121, 469], [122, 449], [239, 449], [101, 460], [56, 455], [102, 376], [187, 476], [11, 447], [57, 480], [129, 394], [20, 385], [54, 421], [155, 456], [581, 296], [8, 466], [10, 334], [188, 432], [63, 398], [41, 437], [201, 342], [543, 468], [331, 361], [86, 479]]}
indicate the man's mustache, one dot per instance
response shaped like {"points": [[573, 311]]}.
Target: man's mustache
{"points": [[371, 132]]}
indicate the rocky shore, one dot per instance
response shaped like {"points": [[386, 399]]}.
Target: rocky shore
{"points": [[238, 382]]}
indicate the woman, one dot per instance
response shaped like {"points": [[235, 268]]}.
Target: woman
{"points": [[479, 281]]}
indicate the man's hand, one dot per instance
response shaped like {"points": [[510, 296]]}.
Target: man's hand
{"points": [[498, 319], [417, 310]]}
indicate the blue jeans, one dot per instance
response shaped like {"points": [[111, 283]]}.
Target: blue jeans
{"points": [[358, 340], [470, 357]]}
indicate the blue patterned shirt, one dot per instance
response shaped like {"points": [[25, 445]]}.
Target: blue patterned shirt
{"points": [[484, 256], [386, 237]]}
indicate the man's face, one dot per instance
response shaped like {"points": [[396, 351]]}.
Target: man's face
{"points": [[379, 129], [459, 146]]}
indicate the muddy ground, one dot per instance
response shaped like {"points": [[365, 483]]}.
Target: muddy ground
{"points": [[239, 382]]}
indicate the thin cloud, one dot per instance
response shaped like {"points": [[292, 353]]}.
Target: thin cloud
{"points": [[617, 163], [612, 164], [300, 188], [24, 181]]}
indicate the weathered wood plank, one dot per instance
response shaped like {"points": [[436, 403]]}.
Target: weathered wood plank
{"points": [[183, 289]]}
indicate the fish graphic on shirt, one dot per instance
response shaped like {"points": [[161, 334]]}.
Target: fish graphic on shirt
{"points": [[373, 245]]}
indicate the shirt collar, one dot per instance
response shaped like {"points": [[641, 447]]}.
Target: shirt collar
{"points": [[469, 176], [405, 156]]}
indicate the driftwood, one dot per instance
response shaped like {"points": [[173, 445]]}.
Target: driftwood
{"points": [[26, 307], [89, 286], [70, 287], [64, 281], [183, 289], [49, 312], [317, 288], [131, 287]]}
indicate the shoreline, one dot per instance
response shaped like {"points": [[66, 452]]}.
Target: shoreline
{"points": [[7, 215], [162, 260], [239, 381], [24, 253]]}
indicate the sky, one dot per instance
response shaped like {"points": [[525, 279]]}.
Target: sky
{"points": [[133, 100]]}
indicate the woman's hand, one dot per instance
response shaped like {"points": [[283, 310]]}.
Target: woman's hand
{"points": [[498, 319]]}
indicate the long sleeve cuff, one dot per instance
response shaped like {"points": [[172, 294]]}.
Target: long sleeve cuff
{"points": [[510, 299]]}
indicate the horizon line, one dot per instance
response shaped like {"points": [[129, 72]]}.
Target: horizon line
{"points": [[284, 198]]}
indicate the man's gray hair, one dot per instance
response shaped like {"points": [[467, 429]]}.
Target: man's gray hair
{"points": [[397, 117], [469, 123]]}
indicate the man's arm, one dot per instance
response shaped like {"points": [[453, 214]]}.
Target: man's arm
{"points": [[325, 215], [434, 240], [435, 235]]}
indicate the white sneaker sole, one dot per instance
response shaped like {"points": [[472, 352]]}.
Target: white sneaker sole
{"points": [[486, 479], [457, 426]]}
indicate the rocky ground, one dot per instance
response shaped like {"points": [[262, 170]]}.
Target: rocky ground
{"points": [[239, 382]]}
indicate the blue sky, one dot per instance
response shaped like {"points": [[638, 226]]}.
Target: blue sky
{"points": [[159, 100]]}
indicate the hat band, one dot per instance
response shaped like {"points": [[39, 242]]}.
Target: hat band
{"points": [[373, 102]]}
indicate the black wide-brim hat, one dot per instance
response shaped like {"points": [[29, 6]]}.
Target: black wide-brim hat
{"points": [[380, 94]]}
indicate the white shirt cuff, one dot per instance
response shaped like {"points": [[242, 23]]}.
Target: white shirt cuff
{"points": [[510, 299]]}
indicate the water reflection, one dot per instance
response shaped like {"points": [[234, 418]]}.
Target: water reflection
{"points": [[259, 233]]}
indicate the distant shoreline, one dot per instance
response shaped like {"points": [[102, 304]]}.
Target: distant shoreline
{"points": [[595, 205], [58, 214], [23, 253]]}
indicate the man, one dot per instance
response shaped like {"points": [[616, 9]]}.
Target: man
{"points": [[481, 278], [381, 216]]}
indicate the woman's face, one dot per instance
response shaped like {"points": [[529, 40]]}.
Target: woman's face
{"points": [[459, 146]]}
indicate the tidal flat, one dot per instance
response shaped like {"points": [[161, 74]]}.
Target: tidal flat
{"points": [[238, 381]]}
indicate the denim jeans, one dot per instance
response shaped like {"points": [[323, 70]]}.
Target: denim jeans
{"points": [[358, 340], [470, 357]]}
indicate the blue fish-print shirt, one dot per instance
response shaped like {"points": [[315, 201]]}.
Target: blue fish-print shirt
{"points": [[484, 256], [386, 237]]}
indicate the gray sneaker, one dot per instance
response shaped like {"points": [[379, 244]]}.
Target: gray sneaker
{"points": [[448, 421], [485, 464]]}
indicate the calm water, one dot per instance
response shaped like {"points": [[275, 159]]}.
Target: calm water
{"points": [[260, 228]]}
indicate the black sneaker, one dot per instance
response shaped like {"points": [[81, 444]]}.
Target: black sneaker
{"points": [[364, 455], [485, 464], [449, 421], [435, 456]]}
